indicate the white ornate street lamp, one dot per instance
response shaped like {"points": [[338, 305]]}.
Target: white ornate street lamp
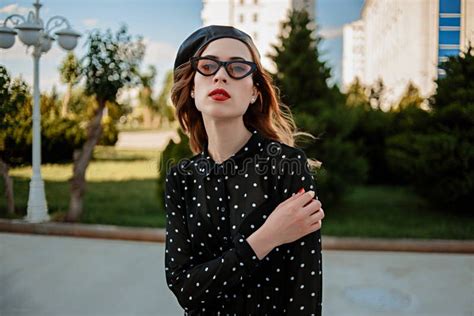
{"points": [[32, 32]]}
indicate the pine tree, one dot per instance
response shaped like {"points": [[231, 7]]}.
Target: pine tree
{"points": [[301, 75], [457, 86], [316, 107]]}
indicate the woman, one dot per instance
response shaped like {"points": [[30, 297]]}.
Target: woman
{"points": [[239, 240]]}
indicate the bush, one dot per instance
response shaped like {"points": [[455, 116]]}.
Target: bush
{"points": [[439, 157], [438, 164], [168, 158], [109, 133], [59, 138]]}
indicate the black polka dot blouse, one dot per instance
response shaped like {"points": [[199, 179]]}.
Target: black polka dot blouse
{"points": [[211, 208]]}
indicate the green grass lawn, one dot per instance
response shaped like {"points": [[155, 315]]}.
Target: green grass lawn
{"points": [[121, 190], [394, 212]]}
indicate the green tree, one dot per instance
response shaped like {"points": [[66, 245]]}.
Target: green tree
{"points": [[14, 96], [411, 98], [301, 75], [408, 114], [164, 106], [439, 160], [317, 108], [456, 86], [371, 129], [145, 95], [71, 72], [357, 95], [111, 63], [376, 94]]}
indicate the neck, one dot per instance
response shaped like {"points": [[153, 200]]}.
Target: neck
{"points": [[225, 139]]}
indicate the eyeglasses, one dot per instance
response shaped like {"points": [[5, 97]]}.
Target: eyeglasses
{"points": [[236, 69]]}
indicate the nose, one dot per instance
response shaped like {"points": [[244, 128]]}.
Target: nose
{"points": [[221, 75]]}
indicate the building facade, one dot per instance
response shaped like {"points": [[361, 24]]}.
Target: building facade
{"points": [[261, 19], [404, 41], [353, 59]]}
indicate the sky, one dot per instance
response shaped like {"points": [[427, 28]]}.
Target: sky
{"points": [[164, 24]]}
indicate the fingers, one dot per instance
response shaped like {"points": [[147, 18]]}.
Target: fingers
{"points": [[293, 197], [316, 216], [303, 199], [317, 225], [311, 206]]}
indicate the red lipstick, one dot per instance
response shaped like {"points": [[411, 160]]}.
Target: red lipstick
{"points": [[219, 95]]}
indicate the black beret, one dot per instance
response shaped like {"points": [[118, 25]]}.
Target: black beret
{"points": [[206, 35]]}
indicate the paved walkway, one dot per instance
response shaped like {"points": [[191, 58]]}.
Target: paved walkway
{"points": [[145, 139], [66, 276]]}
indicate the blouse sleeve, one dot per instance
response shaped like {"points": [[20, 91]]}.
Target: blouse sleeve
{"points": [[197, 285], [303, 257]]}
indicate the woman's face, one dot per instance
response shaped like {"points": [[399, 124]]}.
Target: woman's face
{"points": [[241, 91]]}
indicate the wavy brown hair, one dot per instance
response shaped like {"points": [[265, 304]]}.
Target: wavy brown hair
{"points": [[268, 114]]}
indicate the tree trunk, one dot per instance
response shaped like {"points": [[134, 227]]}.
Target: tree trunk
{"points": [[8, 187], [147, 117], [81, 161], [67, 97]]}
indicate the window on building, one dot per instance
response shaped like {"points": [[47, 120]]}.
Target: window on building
{"points": [[449, 6], [255, 17], [241, 18], [447, 52], [449, 37], [450, 22]]}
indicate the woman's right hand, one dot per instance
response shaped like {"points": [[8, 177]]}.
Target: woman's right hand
{"points": [[294, 218]]}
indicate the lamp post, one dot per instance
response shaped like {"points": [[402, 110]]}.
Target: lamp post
{"points": [[33, 32]]}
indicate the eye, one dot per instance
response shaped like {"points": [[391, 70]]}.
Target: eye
{"points": [[207, 66], [240, 68]]}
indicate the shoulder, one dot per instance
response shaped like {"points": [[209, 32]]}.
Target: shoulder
{"points": [[284, 151], [288, 160], [183, 167]]}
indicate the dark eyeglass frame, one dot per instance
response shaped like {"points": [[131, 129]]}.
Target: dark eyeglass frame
{"points": [[194, 61]]}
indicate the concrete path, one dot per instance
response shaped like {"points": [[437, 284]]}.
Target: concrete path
{"points": [[65, 276], [145, 140]]}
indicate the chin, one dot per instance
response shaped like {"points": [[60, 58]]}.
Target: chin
{"points": [[212, 112]]}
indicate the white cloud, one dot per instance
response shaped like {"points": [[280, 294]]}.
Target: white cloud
{"points": [[14, 8], [19, 52], [159, 53], [20, 62], [90, 22], [331, 33]]}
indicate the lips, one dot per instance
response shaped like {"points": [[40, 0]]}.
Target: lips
{"points": [[219, 95]]}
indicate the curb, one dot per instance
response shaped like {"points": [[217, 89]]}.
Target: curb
{"points": [[159, 235]]}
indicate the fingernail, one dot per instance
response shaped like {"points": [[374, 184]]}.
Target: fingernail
{"points": [[311, 193]]}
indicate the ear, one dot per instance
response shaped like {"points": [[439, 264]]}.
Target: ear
{"points": [[254, 92]]}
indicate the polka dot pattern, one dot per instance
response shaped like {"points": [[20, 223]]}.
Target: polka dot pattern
{"points": [[210, 212]]}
